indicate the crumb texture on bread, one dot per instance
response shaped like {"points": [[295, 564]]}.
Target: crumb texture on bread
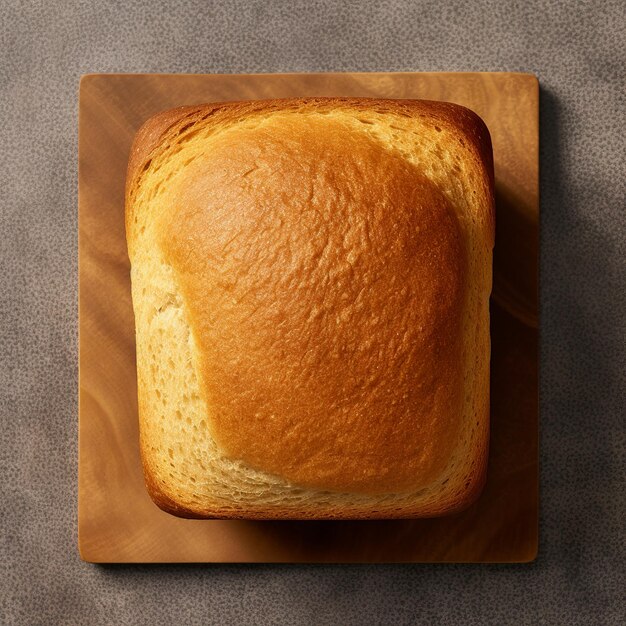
{"points": [[310, 283]]}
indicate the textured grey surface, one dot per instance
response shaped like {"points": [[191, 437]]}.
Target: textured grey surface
{"points": [[578, 51]]}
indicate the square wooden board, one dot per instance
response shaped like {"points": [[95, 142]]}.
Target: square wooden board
{"points": [[117, 520]]}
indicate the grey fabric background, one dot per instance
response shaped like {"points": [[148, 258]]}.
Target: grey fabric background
{"points": [[577, 49]]}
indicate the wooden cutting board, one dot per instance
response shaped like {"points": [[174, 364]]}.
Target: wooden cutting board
{"points": [[117, 520]]}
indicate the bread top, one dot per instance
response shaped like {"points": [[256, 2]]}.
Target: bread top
{"points": [[323, 271]]}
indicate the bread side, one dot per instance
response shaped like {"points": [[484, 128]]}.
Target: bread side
{"points": [[186, 472]]}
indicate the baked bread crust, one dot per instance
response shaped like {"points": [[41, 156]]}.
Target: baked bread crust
{"points": [[312, 340]]}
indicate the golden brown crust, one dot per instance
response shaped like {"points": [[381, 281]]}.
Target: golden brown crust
{"points": [[326, 305], [324, 279], [150, 139], [161, 129]]}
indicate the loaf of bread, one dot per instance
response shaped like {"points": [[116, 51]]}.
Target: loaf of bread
{"points": [[311, 281]]}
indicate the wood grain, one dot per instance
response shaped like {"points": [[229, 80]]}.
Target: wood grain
{"points": [[117, 520]]}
